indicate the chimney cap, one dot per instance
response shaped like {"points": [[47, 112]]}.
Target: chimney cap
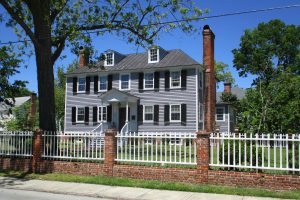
{"points": [[206, 27]]}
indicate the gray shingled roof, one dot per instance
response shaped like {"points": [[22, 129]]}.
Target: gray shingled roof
{"points": [[140, 61], [239, 92]]}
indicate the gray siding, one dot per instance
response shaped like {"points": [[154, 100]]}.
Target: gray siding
{"points": [[147, 97], [223, 125]]}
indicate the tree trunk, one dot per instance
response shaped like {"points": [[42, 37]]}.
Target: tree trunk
{"points": [[44, 64]]}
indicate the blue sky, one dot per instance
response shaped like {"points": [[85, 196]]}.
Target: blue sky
{"points": [[228, 31]]}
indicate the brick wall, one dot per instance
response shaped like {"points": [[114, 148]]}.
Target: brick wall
{"points": [[185, 175]]}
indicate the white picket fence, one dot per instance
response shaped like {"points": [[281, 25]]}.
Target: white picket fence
{"points": [[73, 145], [255, 151], [16, 143], [157, 147]]}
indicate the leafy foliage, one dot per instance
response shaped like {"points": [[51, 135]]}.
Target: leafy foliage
{"points": [[222, 73], [272, 53], [22, 120], [9, 66]]}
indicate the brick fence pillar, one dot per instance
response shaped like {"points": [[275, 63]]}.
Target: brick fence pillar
{"points": [[37, 151], [203, 154], [110, 152]]}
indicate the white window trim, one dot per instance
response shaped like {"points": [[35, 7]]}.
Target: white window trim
{"points": [[129, 81], [148, 121], [201, 115], [172, 87], [223, 114], [113, 59], [78, 84], [149, 56], [77, 121], [145, 81], [171, 112], [99, 90], [173, 141], [101, 114]]}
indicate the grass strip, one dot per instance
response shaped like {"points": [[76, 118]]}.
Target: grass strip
{"points": [[152, 184]]}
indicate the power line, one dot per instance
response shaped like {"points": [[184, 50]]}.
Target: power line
{"points": [[182, 20]]}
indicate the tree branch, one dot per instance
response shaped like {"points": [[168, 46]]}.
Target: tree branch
{"points": [[60, 46], [55, 12], [21, 22]]}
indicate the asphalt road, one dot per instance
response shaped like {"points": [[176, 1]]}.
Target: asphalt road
{"points": [[11, 194]]}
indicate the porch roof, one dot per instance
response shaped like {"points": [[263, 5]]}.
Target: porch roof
{"points": [[115, 95]]}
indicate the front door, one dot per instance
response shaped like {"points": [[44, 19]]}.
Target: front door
{"points": [[122, 117]]}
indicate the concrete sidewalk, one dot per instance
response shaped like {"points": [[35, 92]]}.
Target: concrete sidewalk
{"points": [[111, 192]]}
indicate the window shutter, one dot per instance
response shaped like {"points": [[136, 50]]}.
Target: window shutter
{"points": [[183, 114], [140, 114], [95, 84], [183, 78], [109, 82], [167, 114], [73, 115], [95, 114], [86, 115], [74, 84], [141, 81], [167, 80], [156, 114], [156, 80], [87, 84], [109, 113]]}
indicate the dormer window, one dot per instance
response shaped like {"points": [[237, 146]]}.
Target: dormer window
{"points": [[109, 61], [153, 55]]}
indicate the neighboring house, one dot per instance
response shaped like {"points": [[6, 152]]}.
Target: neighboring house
{"points": [[155, 91], [225, 114], [6, 107]]}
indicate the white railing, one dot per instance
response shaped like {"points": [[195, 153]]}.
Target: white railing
{"points": [[125, 129], [255, 151], [157, 147], [16, 143], [73, 145]]}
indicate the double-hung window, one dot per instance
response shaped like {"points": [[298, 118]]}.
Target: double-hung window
{"points": [[220, 114], [124, 81], [80, 115], [81, 85], [175, 79], [175, 112], [200, 79], [153, 55], [109, 59], [148, 81], [102, 83], [102, 113], [148, 113]]}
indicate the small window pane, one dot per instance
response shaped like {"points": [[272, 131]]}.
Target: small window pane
{"points": [[175, 112], [220, 114], [102, 112], [103, 83], [148, 110], [125, 81], [175, 79], [153, 55], [109, 58], [149, 80], [81, 84], [80, 114]]}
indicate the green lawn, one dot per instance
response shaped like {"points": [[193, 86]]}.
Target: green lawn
{"points": [[156, 184]]}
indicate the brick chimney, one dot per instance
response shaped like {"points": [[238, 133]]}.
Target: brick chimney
{"points": [[227, 87], [83, 57], [210, 79]]}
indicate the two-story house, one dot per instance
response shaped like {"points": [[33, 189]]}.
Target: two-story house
{"points": [[159, 90]]}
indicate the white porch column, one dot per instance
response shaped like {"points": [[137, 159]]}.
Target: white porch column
{"points": [[127, 129]]}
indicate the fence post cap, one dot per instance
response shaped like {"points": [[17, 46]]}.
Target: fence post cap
{"points": [[38, 131], [203, 133], [111, 132]]}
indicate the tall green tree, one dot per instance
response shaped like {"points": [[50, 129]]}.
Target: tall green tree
{"points": [[271, 52], [52, 25]]}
